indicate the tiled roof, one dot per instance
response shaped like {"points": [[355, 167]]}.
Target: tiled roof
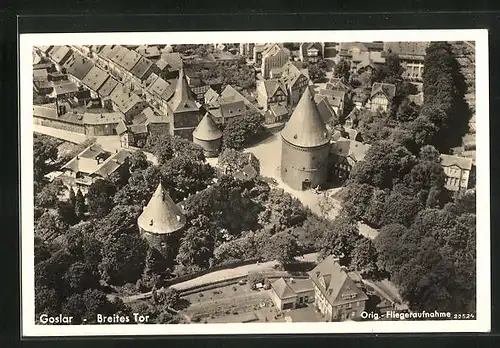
{"points": [[407, 48], [174, 60], [121, 128], [211, 96], [105, 51], [338, 83], [86, 161], [183, 99], [40, 75], [108, 87], [207, 130], [161, 215], [278, 109], [271, 86], [65, 88], [102, 118], [334, 97], [111, 164], [325, 110], [59, 53], [350, 148], [45, 111], [386, 88], [148, 51], [282, 289], [336, 281], [78, 66], [141, 67], [229, 91], [124, 98], [138, 128], [306, 127], [461, 162], [95, 78], [117, 54]]}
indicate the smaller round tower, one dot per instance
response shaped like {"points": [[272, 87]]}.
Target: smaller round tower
{"points": [[208, 136], [162, 223]]}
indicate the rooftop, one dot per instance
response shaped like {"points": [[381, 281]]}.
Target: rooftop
{"points": [[95, 78], [334, 282], [124, 98], [107, 87], [78, 66], [141, 68], [161, 215], [386, 88], [453, 160], [306, 127], [207, 130], [350, 148]]}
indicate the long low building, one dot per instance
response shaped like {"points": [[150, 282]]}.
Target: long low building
{"points": [[89, 123]]}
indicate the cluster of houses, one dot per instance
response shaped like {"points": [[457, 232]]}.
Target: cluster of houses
{"points": [[132, 91]]}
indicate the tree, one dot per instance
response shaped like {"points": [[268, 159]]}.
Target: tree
{"points": [[254, 278], [100, 198], [184, 176], [340, 239], [283, 247], [391, 251], [282, 209], [364, 257], [138, 161], [342, 70], [375, 208], [356, 199], [72, 197], [48, 195], [242, 132], [49, 226], [47, 301], [44, 151], [400, 209], [197, 245], [171, 297], [385, 163], [81, 276], [391, 71], [316, 74], [236, 160], [66, 211], [41, 250], [160, 146], [407, 111], [80, 207]]}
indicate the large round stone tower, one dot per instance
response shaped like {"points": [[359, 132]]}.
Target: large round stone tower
{"points": [[305, 146], [208, 136], [162, 223]]}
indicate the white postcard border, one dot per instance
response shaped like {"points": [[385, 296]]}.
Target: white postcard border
{"points": [[483, 285]]}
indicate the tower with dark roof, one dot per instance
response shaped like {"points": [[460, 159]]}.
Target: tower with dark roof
{"points": [[183, 112], [305, 146], [162, 223], [208, 136]]}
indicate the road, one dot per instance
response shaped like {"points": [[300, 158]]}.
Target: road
{"points": [[221, 275], [109, 143]]}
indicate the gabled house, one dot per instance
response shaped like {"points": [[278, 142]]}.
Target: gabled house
{"points": [[295, 80], [274, 56], [270, 92], [345, 153], [77, 67], [457, 170], [326, 111], [276, 113], [291, 293], [94, 80], [335, 98], [340, 84], [411, 56], [59, 55], [381, 96], [311, 51], [126, 102], [336, 295]]}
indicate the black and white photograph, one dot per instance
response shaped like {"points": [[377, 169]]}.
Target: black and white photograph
{"points": [[263, 183]]}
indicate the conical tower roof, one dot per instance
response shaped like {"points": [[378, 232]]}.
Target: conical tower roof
{"points": [[207, 130], [183, 99], [161, 215], [306, 127]]}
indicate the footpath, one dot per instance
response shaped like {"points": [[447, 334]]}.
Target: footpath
{"points": [[220, 276]]}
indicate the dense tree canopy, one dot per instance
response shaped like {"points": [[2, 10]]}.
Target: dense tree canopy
{"points": [[342, 70], [240, 133]]}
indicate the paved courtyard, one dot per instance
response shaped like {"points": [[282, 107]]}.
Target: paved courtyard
{"points": [[269, 154]]}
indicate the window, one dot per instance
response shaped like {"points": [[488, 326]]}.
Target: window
{"points": [[353, 314], [349, 305]]}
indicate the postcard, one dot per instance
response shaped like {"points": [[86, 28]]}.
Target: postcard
{"points": [[254, 182]]}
